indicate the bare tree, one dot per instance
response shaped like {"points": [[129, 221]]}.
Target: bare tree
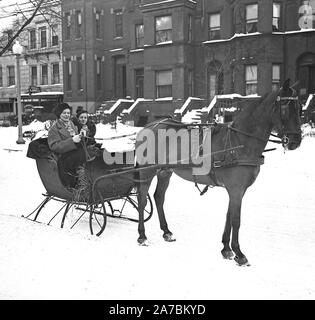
{"points": [[25, 17]]}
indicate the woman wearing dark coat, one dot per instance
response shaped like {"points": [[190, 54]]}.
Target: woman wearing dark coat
{"points": [[84, 123], [64, 140]]}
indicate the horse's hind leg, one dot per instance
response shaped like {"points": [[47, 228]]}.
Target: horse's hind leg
{"points": [[159, 197], [143, 190]]}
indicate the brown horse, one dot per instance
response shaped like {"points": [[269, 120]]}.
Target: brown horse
{"points": [[244, 141]]}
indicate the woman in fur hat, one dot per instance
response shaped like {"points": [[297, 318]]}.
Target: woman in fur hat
{"points": [[64, 139]]}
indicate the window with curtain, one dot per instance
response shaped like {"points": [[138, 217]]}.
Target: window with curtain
{"points": [[43, 37], [34, 75], [79, 73], [276, 77], [251, 79], [54, 35], [276, 17], [164, 82], [11, 75], [78, 24], [139, 80], [98, 74], [32, 39], [44, 74], [68, 74], [251, 18], [214, 26], [67, 26], [98, 25], [118, 23], [139, 35], [55, 73], [163, 29]]}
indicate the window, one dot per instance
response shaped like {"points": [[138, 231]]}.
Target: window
{"points": [[55, 73], [43, 37], [68, 74], [1, 77], [139, 35], [6, 107], [79, 73], [44, 79], [98, 25], [11, 76], [32, 39], [78, 24], [276, 17], [34, 75], [214, 26], [164, 83], [68, 25], [307, 14], [190, 26], [215, 79], [98, 74], [190, 83], [118, 30], [275, 77], [54, 35], [139, 80], [163, 29], [251, 79], [251, 18]]}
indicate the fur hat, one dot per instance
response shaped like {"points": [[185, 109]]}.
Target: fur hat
{"points": [[79, 112], [60, 108]]}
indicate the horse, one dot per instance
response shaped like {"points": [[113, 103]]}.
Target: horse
{"points": [[236, 168]]}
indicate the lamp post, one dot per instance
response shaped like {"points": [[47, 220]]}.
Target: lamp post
{"points": [[18, 50]]}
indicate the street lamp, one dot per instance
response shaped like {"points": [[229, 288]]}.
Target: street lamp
{"points": [[18, 50]]}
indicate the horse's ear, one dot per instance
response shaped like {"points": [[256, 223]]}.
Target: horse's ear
{"points": [[286, 85]]}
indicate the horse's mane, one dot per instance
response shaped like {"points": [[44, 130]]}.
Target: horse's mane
{"points": [[249, 115]]}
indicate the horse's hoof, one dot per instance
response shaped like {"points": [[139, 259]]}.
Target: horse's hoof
{"points": [[242, 262], [143, 242], [168, 237], [229, 255]]}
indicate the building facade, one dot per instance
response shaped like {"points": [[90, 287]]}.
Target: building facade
{"points": [[171, 50], [40, 67]]}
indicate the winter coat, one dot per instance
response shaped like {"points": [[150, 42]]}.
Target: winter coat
{"points": [[59, 138], [90, 132]]}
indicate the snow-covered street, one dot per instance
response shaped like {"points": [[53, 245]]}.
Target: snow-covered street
{"points": [[277, 235]]}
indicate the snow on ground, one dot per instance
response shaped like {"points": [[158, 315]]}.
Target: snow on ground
{"points": [[277, 235]]}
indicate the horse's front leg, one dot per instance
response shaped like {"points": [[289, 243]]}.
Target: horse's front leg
{"points": [[163, 177], [235, 205], [227, 252]]}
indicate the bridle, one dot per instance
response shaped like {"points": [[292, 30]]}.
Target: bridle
{"points": [[284, 117]]}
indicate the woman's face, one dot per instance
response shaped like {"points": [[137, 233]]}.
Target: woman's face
{"points": [[65, 115], [83, 118]]}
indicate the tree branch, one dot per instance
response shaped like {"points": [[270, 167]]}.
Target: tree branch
{"points": [[26, 23]]}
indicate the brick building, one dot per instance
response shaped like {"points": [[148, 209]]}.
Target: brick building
{"points": [[40, 67], [171, 50]]}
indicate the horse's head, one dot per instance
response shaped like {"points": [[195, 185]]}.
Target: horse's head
{"points": [[287, 119]]}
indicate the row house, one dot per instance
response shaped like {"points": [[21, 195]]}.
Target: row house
{"points": [[175, 49], [40, 67]]}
